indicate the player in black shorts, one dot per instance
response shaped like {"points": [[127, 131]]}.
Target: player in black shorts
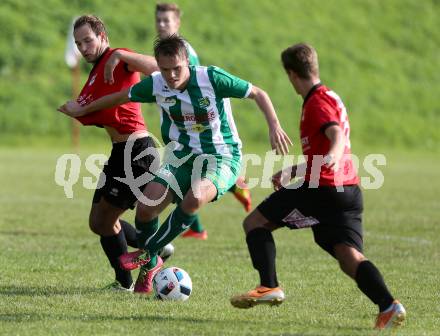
{"points": [[326, 197], [125, 126], [116, 192], [339, 214]]}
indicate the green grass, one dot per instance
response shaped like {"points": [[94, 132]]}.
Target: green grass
{"points": [[381, 57], [52, 266]]}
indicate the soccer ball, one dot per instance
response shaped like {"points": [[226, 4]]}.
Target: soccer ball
{"points": [[166, 252], [172, 283]]}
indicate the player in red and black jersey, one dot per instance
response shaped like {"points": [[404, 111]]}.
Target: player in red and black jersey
{"points": [[113, 198], [327, 199]]}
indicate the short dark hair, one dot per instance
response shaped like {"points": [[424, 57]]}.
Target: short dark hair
{"points": [[172, 45], [95, 23], [302, 59], [168, 7]]}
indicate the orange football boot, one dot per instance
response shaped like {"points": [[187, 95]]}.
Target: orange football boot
{"points": [[242, 194], [196, 235], [392, 317], [259, 295]]}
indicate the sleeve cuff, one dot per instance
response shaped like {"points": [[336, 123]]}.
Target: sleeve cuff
{"points": [[327, 125], [129, 92], [248, 92], [126, 68]]}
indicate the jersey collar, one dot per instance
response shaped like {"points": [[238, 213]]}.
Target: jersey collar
{"points": [[313, 89], [100, 58]]}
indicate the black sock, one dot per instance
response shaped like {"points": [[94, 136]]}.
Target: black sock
{"points": [[371, 283], [115, 246], [262, 250], [130, 233]]}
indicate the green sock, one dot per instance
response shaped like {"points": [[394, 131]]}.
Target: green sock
{"points": [[145, 230], [152, 262], [196, 226], [177, 222], [232, 189]]}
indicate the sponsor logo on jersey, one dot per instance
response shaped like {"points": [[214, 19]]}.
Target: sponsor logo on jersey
{"points": [[197, 118], [114, 192], [305, 144], [198, 128], [85, 99], [92, 80], [189, 117], [170, 101], [195, 128], [204, 102]]}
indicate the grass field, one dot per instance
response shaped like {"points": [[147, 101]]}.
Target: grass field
{"points": [[52, 266]]}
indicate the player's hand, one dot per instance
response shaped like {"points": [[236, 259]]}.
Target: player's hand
{"points": [[110, 66], [282, 178], [331, 161], [276, 180], [279, 140], [71, 108]]}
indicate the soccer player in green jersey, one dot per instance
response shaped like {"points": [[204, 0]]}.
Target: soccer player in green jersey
{"points": [[206, 151], [167, 17]]}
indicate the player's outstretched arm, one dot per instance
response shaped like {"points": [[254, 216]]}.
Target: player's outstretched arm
{"points": [[73, 109], [278, 138], [135, 62]]}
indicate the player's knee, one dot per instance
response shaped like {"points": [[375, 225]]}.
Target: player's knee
{"points": [[347, 253], [102, 225], [95, 224], [255, 220], [191, 203], [349, 258], [146, 213], [247, 224]]}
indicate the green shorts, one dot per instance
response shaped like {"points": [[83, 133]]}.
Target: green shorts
{"points": [[180, 171]]}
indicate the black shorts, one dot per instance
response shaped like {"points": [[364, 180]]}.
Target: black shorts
{"points": [[118, 193], [335, 217]]}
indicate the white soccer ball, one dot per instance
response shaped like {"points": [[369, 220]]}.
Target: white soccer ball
{"points": [[167, 251], [172, 283]]}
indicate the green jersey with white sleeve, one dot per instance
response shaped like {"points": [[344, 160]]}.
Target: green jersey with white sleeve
{"points": [[198, 118]]}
